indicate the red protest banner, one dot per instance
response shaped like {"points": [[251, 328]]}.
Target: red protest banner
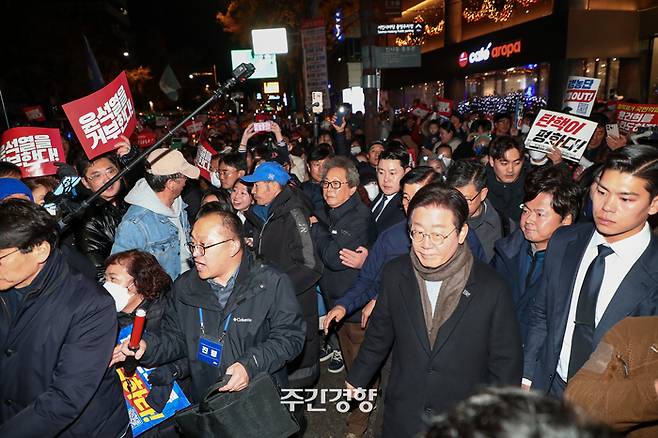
{"points": [[34, 113], [630, 116], [444, 106], [100, 118], [204, 154], [34, 150]]}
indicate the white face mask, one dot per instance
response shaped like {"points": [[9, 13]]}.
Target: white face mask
{"points": [[214, 179], [119, 293], [372, 189], [537, 156], [355, 150]]}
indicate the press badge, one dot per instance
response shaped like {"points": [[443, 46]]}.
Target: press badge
{"points": [[210, 349]]}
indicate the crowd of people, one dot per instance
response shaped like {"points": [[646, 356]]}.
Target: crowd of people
{"points": [[436, 263]]}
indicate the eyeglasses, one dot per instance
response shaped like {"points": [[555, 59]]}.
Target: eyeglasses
{"points": [[470, 200], [194, 247], [9, 253], [435, 238], [109, 172], [333, 184]]}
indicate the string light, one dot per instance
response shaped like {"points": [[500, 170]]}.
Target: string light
{"points": [[418, 40], [489, 9]]}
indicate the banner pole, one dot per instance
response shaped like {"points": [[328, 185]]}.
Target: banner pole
{"points": [[4, 109]]}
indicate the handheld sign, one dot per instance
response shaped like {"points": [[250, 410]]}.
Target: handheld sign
{"points": [[557, 130]]}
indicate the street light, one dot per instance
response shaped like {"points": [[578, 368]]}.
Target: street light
{"points": [[191, 76], [126, 54]]}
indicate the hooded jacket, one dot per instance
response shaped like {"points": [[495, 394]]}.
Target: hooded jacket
{"points": [[148, 226]]}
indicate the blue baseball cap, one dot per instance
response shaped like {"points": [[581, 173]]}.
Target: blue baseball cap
{"points": [[13, 186], [268, 171]]}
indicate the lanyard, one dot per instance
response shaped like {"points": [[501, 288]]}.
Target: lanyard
{"points": [[226, 323]]}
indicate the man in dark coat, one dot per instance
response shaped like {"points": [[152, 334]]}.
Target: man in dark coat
{"points": [[57, 332], [596, 274], [448, 318], [505, 176], [348, 223], [232, 296], [551, 201], [283, 238]]}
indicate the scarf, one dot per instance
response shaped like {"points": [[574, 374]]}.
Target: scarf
{"points": [[453, 274]]}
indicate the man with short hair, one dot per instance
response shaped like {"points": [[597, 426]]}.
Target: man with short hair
{"points": [[231, 168], [596, 274], [347, 223], [57, 332], [446, 318], [283, 237], [230, 294], [368, 169], [470, 178], [551, 201], [311, 188], [156, 221], [387, 210], [95, 231], [505, 175]]}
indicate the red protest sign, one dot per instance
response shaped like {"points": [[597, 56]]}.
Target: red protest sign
{"points": [[630, 116], [34, 113], [100, 118], [193, 127], [204, 154], [34, 150], [146, 138], [444, 106]]}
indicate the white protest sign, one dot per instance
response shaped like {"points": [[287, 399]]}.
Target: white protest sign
{"points": [[581, 95], [569, 133]]}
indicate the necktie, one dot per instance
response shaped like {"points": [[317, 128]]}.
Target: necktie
{"points": [[379, 207], [581, 343]]}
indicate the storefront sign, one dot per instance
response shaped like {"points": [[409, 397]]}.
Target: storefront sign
{"points": [[581, 95], [489, 51], [392, 57], [557, 130], [631, 116], [400, 28]]}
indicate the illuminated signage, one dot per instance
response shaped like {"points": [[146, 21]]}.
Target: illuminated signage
{"points": [[488, 51]]}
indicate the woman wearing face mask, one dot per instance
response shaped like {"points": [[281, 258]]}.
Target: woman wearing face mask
{"points": [[135, 280]]}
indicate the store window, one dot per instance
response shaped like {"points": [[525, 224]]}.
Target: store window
{"points": [[605, 69], [531, 79]]}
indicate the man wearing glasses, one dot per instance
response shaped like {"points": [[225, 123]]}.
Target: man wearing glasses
{"points": [[346, 223], [229, 315], [470, 178], [447, 318], [156, 221]]}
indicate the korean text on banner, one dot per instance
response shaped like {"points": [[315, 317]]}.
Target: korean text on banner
{"points": [[34, 150], [100, 118], [444, 107], [135, 390], [204, 154], [569, 133], [581, 95], [630, 116], [194, 127]]}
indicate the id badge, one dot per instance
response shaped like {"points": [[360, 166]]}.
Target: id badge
{"points": [[210, 351]]}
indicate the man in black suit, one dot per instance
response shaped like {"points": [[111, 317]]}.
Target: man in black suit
{"points": [[387, 207], [448, 318], [596, 274]]}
